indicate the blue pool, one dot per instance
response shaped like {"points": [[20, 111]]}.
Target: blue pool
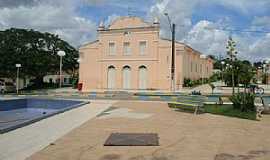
{"points": [[21, 112]]}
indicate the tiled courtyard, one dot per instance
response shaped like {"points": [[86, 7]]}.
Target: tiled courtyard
{"points": [[183, 136]]}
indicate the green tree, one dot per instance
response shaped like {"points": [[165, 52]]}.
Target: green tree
{"points": [[36, 51], [244, 73], [231, 52]]}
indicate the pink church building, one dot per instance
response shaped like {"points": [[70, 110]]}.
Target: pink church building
{"points": [[129, 54]]}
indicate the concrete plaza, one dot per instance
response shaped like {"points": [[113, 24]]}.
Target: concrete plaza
{"points": [[182, 136]]}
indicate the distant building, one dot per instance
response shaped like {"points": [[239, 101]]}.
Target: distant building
{"points": [[259, 76], [54, 78], [23, 82], [129, 54], [263, 76]]}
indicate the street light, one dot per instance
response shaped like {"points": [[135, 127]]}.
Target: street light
{"points": [[266, 71], [172, 27], [18, 66], [238, 89], [61, 54], [222, 69], [77, 66], [202, 56]]}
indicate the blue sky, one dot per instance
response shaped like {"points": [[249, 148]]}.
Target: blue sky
{"points": [[76, 20], [206, 11], [103, 10]]}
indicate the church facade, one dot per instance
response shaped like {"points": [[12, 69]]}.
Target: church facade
{"points": [[130, 55]]}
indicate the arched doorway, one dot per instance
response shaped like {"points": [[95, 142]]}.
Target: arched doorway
{"points": [[126, 77], [111, 77], [142, 77]]}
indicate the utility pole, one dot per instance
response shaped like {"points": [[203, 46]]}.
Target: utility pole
{"points": [[173, 59], [172, 27]]}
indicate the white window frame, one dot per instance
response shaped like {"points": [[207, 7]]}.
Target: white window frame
{"points": [[145, 49], [127, 51], [112, 51]]}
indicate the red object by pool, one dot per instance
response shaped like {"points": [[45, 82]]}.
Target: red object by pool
{"points": [[80, 86]]}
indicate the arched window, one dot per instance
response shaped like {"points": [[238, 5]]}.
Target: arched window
{"points": [[126, 77], [142, 77], [111, 77]]}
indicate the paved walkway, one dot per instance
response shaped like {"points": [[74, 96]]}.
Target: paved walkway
{"points": [[23, 142], [183, 136]]}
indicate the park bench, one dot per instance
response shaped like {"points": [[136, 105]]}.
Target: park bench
{"points": [[191, 103]]}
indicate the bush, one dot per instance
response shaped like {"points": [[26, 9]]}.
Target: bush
{"points": [[75, 83], [192, 83], [243, 101], [43, 85], [215, 77], [188, 82]]}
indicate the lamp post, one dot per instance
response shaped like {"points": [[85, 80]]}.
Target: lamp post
{"points": [[61, 54], [203, 57], [18, 66], [228, 66], [238, 87], [266, 68], [259, 78], [78, 65], [222, 70], [172, 28]]}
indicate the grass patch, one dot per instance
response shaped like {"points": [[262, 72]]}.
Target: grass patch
{"points": [[228, 110], [184, 108]]}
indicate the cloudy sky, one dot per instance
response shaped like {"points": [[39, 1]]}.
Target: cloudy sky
{"points": [[203, 24]]}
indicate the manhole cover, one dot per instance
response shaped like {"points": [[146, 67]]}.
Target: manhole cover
{"points": [[132, 139]]}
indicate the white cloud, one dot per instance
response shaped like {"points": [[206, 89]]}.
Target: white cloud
{"points": [[245, 6], [180, 13], [59, 18], [206, 40], [204, 35], [16, 3], [94, 2], [261, 21], [212, 41], [261, 48]]}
